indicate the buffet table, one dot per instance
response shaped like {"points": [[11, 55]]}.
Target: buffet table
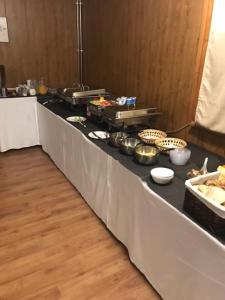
{"points": [[179, 258]]}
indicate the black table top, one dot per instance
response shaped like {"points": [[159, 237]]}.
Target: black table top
{"points": [[173, 192]]}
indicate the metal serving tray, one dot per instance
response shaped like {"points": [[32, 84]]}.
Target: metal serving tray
{"points": [[118, 112], [125, 116], [75, 97], [134, 113], [89, 93]]}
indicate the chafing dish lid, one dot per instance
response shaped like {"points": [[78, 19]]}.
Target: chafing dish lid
{"points": [[122, 112]]}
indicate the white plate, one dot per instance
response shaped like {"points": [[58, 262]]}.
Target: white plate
{"points": [[100, 134], [76, 119]]}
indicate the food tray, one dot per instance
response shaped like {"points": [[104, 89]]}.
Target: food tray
{"points": [[123, 112], [211, 204], [206, 211]]}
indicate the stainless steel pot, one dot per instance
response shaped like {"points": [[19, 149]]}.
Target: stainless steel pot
{"points": [[128, 145], [116, 138], [146, 155]]}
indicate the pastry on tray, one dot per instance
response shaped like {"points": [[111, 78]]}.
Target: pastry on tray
{"points": [[214, 189], [213, 192], [219, 182]]}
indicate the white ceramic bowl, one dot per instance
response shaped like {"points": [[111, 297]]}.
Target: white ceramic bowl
{"points": [[180, 156], [162, 175]]}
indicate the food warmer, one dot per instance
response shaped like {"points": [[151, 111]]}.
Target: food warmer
{"points": [[124, 116], [74, 97]]}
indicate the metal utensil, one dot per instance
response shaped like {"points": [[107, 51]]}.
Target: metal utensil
{"points": [[146, 155], [116, 138], [81, 123], [128, 145], [97, 136]]}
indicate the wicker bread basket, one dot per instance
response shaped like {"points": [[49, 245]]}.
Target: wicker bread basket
{"points": [[170, 143], [204, 215], [149, 136]]}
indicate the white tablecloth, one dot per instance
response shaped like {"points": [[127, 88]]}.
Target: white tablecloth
{"points": [[18, 123], [182, 261]]}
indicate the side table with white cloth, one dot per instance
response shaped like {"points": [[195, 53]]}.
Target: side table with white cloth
{"points": [[18, 123]]}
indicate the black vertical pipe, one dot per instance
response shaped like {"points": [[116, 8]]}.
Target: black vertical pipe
{"points": [[2, 76]]}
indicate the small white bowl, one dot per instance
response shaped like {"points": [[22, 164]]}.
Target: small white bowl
{"points": [[162, 175]]}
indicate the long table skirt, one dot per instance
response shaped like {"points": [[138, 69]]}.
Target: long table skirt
{"points": [[181, 260]]}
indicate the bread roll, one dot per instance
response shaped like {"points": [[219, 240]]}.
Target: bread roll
{"points": [[217, 194], [213, 192]]}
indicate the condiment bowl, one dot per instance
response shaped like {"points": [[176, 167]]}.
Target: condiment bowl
{"points": [[162, 175], [146, 155], [128, 145], [180, 156]]}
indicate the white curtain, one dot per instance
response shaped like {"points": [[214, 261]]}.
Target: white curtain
{"points": [[210, 111]]}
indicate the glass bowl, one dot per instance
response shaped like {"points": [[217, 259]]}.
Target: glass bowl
{"points": [[180, 156]]}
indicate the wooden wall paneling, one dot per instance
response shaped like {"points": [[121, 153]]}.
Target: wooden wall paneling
{"points": [[15, 53], [36, 65], [42, 42], [150, 49], [70, 44], [212, 141], [2, 8], [141, 37], [60, 37]]}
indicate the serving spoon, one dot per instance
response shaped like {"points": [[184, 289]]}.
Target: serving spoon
{"points": [[81, 123]]}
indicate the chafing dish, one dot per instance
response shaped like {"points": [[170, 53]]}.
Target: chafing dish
{"points": [[75, 97], [117, 116], [96, 111]]}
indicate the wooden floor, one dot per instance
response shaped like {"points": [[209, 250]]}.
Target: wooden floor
{"points": [[52, 246]]}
